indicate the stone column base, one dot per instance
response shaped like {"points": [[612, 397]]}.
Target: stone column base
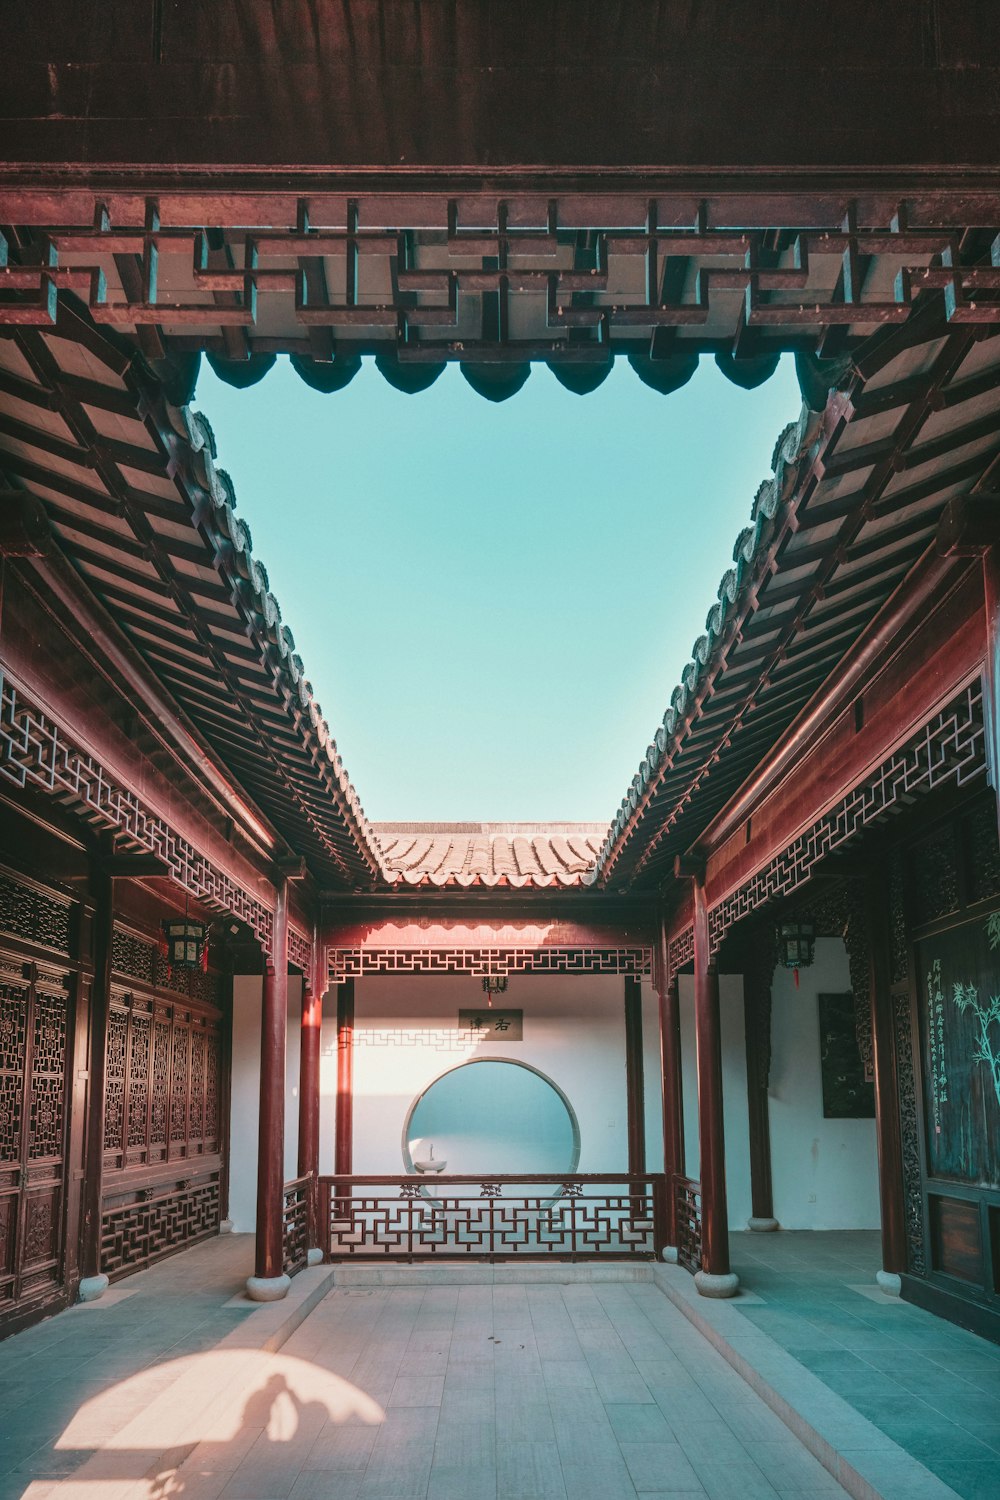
{"points": [[763, 1226], [889, 1282], [92, 1287], [710, 1285], [225, 1226], [669, 1253], [314, 1257], [268, 1288]]}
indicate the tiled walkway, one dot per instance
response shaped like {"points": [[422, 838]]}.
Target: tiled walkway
{"points": [[933, 1388], [581, 1392], [512, 1392]]}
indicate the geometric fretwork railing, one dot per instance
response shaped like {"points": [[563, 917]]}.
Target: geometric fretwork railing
{"points": [[588, 1216], [687, 1208], [295, 1217]]}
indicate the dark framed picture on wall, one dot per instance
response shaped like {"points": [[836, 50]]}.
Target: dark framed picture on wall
{"points": [[846, 1095]]}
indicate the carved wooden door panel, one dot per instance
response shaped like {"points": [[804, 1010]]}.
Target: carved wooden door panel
{"points": [[34, 1052]]}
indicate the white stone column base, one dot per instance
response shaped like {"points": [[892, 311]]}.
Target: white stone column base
{"points": [[92, 1287], [717, 1286], [669, 1253], [763, 1226], [268, 1288], [889, 1282], [314, 1257], [225, 1226]]}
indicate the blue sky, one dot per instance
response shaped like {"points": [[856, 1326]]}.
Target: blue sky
{"points": [[494, 602]]}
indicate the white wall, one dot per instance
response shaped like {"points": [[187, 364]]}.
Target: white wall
{"points": [[734, 1092], [574, 1032], [825, 1172]]}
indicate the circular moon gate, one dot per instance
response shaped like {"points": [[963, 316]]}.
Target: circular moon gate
{"points": [[493, 1116]]}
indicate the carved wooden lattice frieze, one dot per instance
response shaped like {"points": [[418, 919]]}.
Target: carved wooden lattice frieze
{"points": [[557, 271], [34, 751], [34, 916], [134, 1233], [135, 956], [357, 963], [949, 749], [299, 950], [680, 951]]}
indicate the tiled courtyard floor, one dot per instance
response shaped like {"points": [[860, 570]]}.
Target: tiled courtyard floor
{"points": [[933, 1388], [512, 1392]]}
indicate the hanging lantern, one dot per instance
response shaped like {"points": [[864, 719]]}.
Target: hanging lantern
{"points": [[187, 947], [494, 984], [796, 946]]}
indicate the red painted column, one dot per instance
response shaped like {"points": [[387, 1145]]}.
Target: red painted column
{"points": [[269, 1282], [715, 1278], [636, 1115], [93, 1281], [310, 1038], [672, 1082], [343, 1157]]}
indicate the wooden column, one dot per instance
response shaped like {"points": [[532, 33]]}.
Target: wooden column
{"points": [[269, 1281], [634, 1077], [991, 676], [672, 1082], [93, 1281], [758, 972], [715, 1278], [310, 1038], [890, 1150], [343, 1159]]}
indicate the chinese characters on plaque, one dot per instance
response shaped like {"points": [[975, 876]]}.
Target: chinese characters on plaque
{"points": [[493, 1025]]}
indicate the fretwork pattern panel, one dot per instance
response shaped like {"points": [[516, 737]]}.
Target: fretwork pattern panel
{"points": [[526, 272], [949, 749], [358, 963], [35, 752], [575, 1219], [135, 1233], [295, 1224], [162, 1083]]}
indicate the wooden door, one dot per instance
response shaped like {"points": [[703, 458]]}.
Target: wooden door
{"points": [[35, 1048]]}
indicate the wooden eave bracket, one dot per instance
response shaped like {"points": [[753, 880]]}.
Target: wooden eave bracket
{"points": [[969, 525], [689, 867]]}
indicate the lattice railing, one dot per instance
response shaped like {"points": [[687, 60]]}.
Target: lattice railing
{"points": [[687, 1210], [295, 1217], [585, 1217]]}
